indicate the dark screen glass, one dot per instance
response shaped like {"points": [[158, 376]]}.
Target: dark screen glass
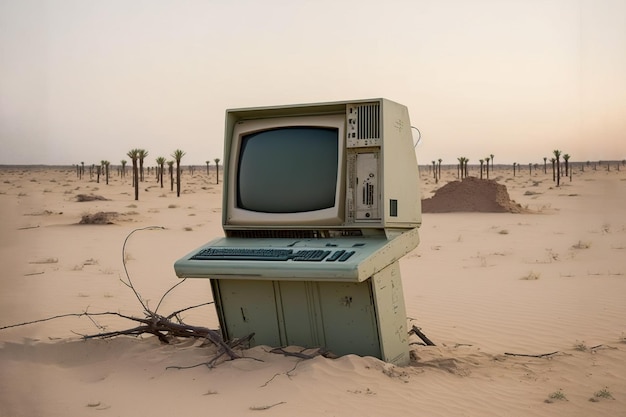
{"points": [[288, 170]]}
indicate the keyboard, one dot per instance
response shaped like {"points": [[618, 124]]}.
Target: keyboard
{"points": [[281, 255]]}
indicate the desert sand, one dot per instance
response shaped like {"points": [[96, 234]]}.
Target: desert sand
{"points": [[549, 282]]}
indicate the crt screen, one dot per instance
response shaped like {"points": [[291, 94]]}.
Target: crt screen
{"points": [[288, 170]]}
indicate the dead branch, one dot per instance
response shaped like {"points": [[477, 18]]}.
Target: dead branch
{"points": [[318, 352], [416, 330], [220, 353], [266, 407], [60, 316], [177, 312], [542, 355], [163, 327]]}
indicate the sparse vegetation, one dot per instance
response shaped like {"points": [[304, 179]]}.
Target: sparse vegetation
{"points": [[531, 276], [45, 261], [604, 393], [581, 346], [89, 197], [556, 396], [581, 245], [100, 217]]}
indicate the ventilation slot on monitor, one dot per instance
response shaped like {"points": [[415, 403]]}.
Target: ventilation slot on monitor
{"points": [[269, 234], [368, 121]]}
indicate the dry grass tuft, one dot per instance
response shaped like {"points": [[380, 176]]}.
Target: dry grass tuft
{"points": [[531, 276], [90, 197], [581, 245], [45, 261], [604, 393], [100, 217]]}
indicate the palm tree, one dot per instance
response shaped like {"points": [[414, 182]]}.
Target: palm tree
{"points": [[487, 159], [133, 154], [491, 162], [459, 171], [106, 171], [545, 170], [123, 162], [566, 159], [161, 161], [514, 164], [482, 162], [142, 154], [170, 165], [557, 156], [207, 167], [434, 170], [99, 170], [178, 155], [439, 168], [553, 170], [217, 169]]}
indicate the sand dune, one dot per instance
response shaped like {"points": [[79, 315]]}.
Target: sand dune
{"points": [[482, 286]]}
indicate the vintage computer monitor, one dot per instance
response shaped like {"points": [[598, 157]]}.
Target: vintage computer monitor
{"points": [[320, 201]]}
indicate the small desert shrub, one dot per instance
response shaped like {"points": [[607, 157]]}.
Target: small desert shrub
{"points": [[531, 276], [91, 197], [131, 206], [604, 393], [556, 396], [581, 245], [503, 232], [46, 261], [581, 346], [188, 229], [552, 256], [172, 206], [100, 217]]}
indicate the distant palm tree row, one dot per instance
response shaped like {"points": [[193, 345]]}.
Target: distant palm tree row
{"points": [[462, 170], [137, 157], [558, 170]]}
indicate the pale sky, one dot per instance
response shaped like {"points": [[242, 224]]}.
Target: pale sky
{"points": [[87, 80]]}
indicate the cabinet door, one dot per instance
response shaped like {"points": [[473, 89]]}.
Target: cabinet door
{"points": [[249, 306], [349, 318], [300, 314]]}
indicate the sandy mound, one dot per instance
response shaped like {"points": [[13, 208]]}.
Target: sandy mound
{"points": [[471, 194]]}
